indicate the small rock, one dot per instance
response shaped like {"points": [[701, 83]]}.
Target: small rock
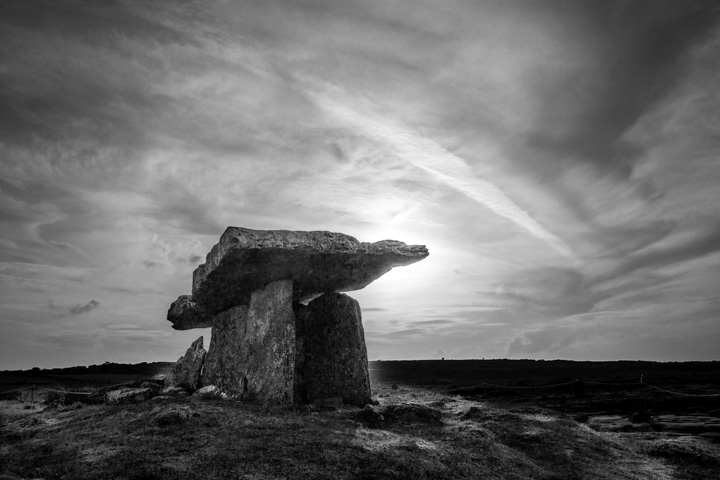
{"points": [[160, 398], [371, 415], [177, 392], [128, 395], [152, 386], [210, 392], [172, 417], [159, 379]]}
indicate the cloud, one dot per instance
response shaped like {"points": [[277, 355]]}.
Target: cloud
{"points": [[429, 156], [633, 58], [80, 309], [681, 249], [194, 258]]}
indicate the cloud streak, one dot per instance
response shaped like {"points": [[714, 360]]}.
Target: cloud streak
{"points": [[429, 156]]}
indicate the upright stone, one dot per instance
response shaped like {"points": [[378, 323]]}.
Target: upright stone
{"points": [[187, 370], [252, 350], [331, 356]]}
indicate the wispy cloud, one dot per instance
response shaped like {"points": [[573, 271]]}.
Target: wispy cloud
{"points": [[426, 154], [80, 309]]}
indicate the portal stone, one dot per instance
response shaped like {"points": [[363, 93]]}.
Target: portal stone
{"points": [[250, 290], [186, 371], [331, 357], [252, 350]]}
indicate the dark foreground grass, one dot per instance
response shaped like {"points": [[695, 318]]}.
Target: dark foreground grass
{"points": [[446, 438]]}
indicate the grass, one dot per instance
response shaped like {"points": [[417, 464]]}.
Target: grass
{"points": [[422, 435]]}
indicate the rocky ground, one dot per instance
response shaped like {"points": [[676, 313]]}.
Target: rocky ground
{"points": [[413, 433]]}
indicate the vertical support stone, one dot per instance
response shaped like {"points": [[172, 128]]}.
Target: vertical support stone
{"points": [[331, 358], [252, 350]]}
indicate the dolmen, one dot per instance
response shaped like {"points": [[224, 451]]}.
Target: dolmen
{"points": [[282, 331]]}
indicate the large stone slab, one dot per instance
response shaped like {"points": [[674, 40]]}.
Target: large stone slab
{"points": [[252, 350], [318, 262], [186, 371], [331, 357]]}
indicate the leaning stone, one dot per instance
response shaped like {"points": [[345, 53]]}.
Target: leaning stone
{"points": [[128, 395], [245, 261], [332, 359], [252, 351], [186, 372]]}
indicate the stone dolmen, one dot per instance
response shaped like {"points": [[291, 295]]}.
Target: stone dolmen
{"points": [[282, 332]]}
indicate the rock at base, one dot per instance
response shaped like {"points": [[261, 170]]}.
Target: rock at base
{"points": [[331, 358], [210, 392], [186, 371], [173, 392], [128, 395], [252, 351]]}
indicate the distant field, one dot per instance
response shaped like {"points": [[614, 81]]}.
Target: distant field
{"points": [[537, 372], [608, 386], [95, 375], [612, 387]]}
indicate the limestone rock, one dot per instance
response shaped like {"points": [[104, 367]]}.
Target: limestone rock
{"points": [[209, 392], [331, 359], [185, 314], [172, 417], [162, 398], [158, 378], [128, 395], [317, 262], [153, 387], [186, 372], [252, 351], [174, 392]]}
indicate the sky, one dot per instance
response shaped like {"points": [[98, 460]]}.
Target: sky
{"points": [[560, 160]]}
